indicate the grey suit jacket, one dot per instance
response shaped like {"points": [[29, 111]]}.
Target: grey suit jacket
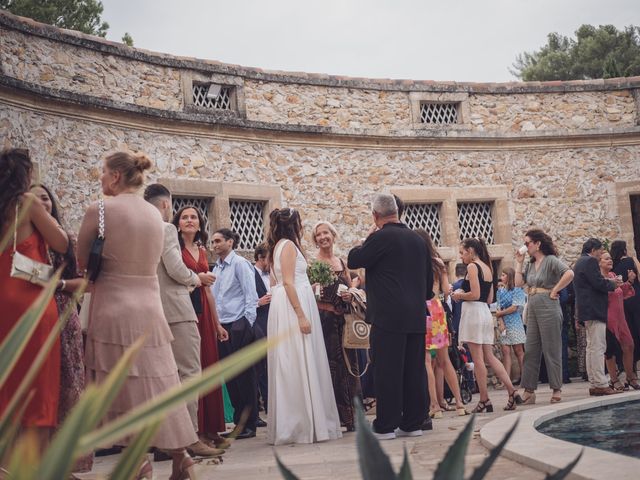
{"points": [[175, 279]]}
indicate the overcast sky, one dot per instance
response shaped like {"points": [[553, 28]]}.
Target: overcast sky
{"points": [[461, 40]]}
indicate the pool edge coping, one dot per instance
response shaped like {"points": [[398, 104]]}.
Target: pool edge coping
{"points": [[547, 454]]}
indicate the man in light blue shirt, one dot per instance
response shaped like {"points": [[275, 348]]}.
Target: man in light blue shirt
{"points": [[236, 301]]}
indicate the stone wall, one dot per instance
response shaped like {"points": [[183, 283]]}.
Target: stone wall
{"points": [[86, 65], [565, 192]]}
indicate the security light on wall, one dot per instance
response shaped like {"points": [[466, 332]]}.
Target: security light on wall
{"points": [[214, 91]]}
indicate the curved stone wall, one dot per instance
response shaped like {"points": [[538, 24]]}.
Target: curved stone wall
{"points": [[561, 155]]}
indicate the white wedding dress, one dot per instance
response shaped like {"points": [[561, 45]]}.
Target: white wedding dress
{"points": [[302, 407]]}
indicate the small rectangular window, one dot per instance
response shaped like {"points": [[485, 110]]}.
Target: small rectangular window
{"points": [[439, 113], [212, 96], [425, 216], [247, 220], [475, 220]]}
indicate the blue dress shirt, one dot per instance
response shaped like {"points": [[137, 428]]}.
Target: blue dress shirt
{"points": [[235, 289]]}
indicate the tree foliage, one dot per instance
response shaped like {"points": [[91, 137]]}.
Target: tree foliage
{"points": [[595, 52], [81, 15]]}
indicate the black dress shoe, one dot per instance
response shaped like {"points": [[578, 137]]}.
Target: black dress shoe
{"points": [[260, 423], [246, 433]]}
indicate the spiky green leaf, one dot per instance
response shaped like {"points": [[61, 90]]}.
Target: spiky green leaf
{"points": [[480, 472], [135, 453], [286, 473], [374, 462], [452, 465], [563, 472]]}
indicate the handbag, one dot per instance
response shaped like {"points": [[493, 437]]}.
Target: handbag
{"points": [[26, 268], [95, 254], [83, 316], [355, 334]]}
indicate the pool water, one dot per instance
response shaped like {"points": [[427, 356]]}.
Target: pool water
{"points": [[614, 428]]}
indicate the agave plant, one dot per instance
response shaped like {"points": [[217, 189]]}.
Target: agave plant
{"points": [[82, 432], [375, 463]]}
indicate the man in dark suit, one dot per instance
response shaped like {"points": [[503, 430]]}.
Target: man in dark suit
{"points": [[592, 299], [399, 281], [263, 289]]}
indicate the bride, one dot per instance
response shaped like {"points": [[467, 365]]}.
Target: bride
{"points": [[302, 407]]}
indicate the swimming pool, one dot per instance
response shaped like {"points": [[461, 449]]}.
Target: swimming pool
{"points": [[615, 428]]}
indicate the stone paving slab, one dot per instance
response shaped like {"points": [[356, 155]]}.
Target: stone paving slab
{"points": [[338, 459]]}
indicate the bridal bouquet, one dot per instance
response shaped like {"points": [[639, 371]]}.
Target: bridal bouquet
{"points": [[321, 274]]}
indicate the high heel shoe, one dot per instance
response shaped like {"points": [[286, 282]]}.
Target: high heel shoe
{"points": [[483, 406], [529, 398], [145, 471], [511, 403], [633, 383], [185, 470]]}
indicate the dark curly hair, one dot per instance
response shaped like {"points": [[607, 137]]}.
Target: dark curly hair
{"points": [[546, 243], [69, 257], [15, 177], [284, 223], [480, 247], [201, 236]]}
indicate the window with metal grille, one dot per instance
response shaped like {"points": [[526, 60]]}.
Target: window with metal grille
{"points": [[425, 216], [221, 102], [475, 220], [201, 203], [439, 113], [247, 220]]}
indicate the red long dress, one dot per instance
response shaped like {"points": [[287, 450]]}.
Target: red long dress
{"points": [[15, 298], [210, 406]]}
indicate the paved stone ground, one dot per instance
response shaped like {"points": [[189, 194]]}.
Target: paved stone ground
{"points": [[253, 458]]}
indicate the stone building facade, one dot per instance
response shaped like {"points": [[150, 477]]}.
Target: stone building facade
{"points": [[470, 159]]}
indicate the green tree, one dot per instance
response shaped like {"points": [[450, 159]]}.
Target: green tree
{"points": [[595, 52], [81, 15], [127, 39]]}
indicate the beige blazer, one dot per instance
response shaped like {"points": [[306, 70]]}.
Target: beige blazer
{"points": [[175, 280]]}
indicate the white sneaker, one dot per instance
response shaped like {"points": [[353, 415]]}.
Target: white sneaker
{"points": [[385, 436], [401, 433]]}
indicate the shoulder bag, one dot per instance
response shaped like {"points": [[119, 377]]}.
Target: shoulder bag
{"points": [[26, 268], [356, 330]]}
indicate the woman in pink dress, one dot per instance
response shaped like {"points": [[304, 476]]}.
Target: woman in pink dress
{"points": [[619, 339], [125, 305]]}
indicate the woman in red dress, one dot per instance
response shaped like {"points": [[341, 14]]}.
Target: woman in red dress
{"points": [[36, 230], [192, 234]]}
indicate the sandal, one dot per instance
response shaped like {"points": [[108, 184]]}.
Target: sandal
{"points": [[618, 386], [529, 398], [483, 406], [446, 407], [511, 403], [461, 411], [435, 414], [369, 405], [633, 383], [184, 470], [145, 471], [556, 396]]}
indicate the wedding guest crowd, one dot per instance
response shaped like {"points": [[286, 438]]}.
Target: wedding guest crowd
{"points": [[193, 315]]}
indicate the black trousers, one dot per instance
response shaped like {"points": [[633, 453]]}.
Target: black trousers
{"points": [[260, 331], [242, 389], [402, 399]]}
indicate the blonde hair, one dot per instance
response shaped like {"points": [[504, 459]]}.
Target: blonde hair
{"points": [[131, 166], [329, 225]]}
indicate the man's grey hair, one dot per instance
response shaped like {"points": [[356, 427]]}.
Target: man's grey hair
{"points": [[384, 205]]}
